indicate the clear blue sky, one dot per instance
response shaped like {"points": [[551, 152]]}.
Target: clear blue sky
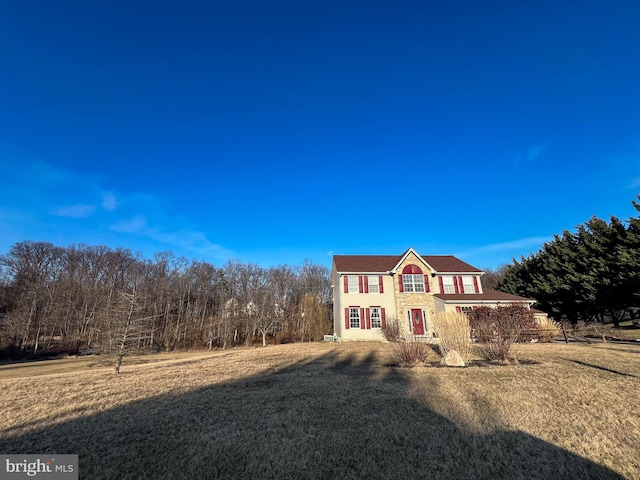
{"points": [[275, 132]]}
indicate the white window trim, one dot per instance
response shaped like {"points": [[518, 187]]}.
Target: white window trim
{"points": [[378, 318], [467, 284], [353, 284], [411, 286], [353, 317], [447, 284]]}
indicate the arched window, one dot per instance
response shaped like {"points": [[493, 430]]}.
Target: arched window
{"points": [[412, 279]]}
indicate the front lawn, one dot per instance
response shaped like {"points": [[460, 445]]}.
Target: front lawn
{"points": [[327, 410]]}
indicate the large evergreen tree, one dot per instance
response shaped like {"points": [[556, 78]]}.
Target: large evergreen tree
{"points": [[592, 274]]}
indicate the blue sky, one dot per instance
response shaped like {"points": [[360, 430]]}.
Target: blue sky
{"points": [[275, 132]]}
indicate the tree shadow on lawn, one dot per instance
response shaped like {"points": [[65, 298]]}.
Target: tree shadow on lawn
{"points": [[330, 417]]}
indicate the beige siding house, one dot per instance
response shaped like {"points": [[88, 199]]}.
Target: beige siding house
{"points": [[370, 290]]}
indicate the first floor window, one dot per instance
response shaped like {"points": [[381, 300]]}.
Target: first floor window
{"points": [[376, 317], [466, 309], [354, 317]]}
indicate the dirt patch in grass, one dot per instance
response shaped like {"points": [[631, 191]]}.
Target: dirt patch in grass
{"points": [[335, 411]]}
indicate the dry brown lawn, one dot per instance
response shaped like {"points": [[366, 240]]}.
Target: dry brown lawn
{"points": [[331, 411]]}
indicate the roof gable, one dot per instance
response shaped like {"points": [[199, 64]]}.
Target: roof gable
{"points": [[406, 254]]}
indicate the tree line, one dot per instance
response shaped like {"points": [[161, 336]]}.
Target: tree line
{"points": [[99, 299], [592, 274]]}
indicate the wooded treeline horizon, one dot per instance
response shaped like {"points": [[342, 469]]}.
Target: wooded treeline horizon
{"points": [[98, 299]]}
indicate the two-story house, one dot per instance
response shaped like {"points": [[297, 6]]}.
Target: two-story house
{"points": [[369, 290]]}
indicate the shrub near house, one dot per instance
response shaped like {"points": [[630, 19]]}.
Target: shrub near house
{"points": [[497, 329]]}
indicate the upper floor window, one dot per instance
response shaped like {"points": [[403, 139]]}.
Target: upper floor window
{"points": [[467, 284], [374, 286], [413, 283], [353, 284], [447, 284], [412, 279], [363, 284]]}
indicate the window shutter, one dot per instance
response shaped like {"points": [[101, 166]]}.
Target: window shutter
{"points": [[366, 284], [362, 326], [426, 283], [368, 319], [346, 319], [461, 284], [455, 284], [380, 287], [441, 284], [383, 317], [360, 289], [346, 284], [459, 309], [475, 284], [400, 283]]}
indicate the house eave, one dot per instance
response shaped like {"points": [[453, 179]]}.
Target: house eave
{"points": [[340, 274]]}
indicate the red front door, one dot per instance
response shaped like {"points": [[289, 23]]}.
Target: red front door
{"points": [[418, 321]]}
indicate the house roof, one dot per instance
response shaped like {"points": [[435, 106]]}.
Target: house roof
{"points": [[449, 263], [386, 263], [365, 263], [487, 295]]}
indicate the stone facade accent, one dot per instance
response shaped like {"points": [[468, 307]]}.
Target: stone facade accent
{"points": [[406, 301]]}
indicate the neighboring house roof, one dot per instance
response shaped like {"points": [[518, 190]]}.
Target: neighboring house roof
{"points": [[487, 295], [386, 263]]}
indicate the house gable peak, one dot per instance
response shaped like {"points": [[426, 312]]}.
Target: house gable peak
{"points": [[411, 253]]}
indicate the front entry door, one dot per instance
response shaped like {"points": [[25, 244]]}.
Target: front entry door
{"points": [[418, 321]]}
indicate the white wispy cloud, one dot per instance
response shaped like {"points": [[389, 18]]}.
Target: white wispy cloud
{"points": [[185, 239], [67, 206], [135, 224], [519, 244], [109, 201], [74, 211], [534, 152], [531, 154]]}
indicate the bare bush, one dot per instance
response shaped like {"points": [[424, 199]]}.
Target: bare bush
{"points": [[454, 333], [497, 329], [391, 329], [412, 353]]}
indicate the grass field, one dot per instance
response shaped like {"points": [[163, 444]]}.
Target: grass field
{"points": [[331, 411]]}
